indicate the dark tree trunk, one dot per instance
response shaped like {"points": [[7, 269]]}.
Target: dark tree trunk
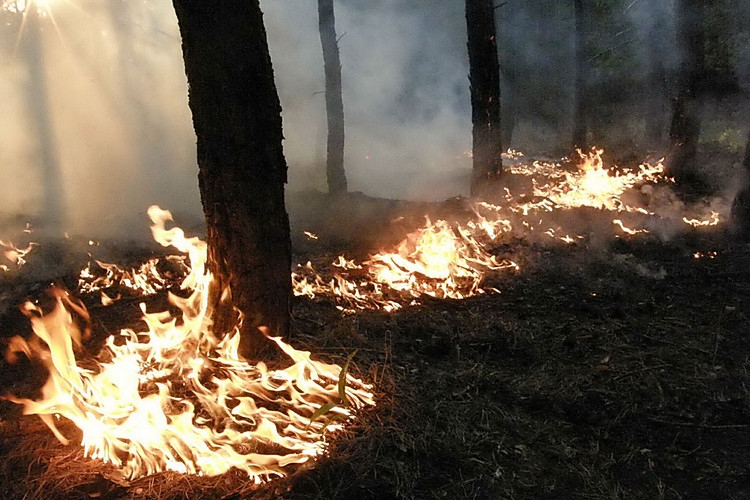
{"points": [[484, 77], [685, 126], [740, 215], [656, 110], [242, 170], [582, 95], [335, 172]]}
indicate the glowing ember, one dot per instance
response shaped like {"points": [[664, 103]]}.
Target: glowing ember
{"points": [[176, 397], [705, 255]]}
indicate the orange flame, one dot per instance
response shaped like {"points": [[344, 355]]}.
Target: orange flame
{"points": [[176, 397], [592, 185]]}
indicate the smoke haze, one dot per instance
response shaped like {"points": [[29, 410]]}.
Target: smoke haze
{"points": [[94, 122]]}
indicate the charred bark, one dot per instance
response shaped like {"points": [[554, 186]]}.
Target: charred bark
{"points": [[335, 172], [685, 125], [484, 78], [582, 95], [242, 170]]}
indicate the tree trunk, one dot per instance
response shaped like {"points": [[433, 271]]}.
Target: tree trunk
{"points": [[334, 101], [685, 126], [242, 170], [484, 78], [656, 104], [37, 94], [581, 116], [740, 214]]}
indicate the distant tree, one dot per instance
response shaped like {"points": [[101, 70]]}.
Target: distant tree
{"points": [[509, 61], [335, 172], [582, 95], [242, 170], [26, 19], [484, 78], [740, 215], [656, 81], [685, 126]]}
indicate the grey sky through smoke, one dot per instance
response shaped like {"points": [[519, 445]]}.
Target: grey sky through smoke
{"points": [[120, 132]]}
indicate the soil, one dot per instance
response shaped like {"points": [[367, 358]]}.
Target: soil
{"points": [[611, 369]]}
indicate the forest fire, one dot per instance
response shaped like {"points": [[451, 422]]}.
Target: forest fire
{"points": [[176, 397], [439, 260], [450, 259]]}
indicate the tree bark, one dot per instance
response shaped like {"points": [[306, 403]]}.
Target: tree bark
{"points": [[582, 95], [242, 170], [335, 172], [685, 126], [484, 78]]}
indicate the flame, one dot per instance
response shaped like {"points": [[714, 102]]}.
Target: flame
{"points": [[176, 397], [712, 220], [438, 260], [146, 280], [592, 185], [15, 254], [628, 230]]}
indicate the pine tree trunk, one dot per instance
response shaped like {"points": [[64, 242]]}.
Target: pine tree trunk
{"points": [[242, 170], [581, 116], [685, 126], [484, 77], [335, 172]]}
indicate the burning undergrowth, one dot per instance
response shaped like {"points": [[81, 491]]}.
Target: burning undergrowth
{"points": [[176, 396], [597, 356]]}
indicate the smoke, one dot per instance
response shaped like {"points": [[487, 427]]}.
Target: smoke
{"points": [[94, 122], [406, 95]]}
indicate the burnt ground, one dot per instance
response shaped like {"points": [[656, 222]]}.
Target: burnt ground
{"points": [[615, 370]]}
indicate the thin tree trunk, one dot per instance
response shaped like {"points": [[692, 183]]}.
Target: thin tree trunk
{"points": [[39, 108], [242, 170], [685, 126], [740, 214], [656, 110], [581, 116], [335, 172], [484, 77]]}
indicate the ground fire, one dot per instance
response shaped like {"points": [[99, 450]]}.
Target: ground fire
{"points": [[176, 397]]}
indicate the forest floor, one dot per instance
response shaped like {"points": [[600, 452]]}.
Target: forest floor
{"points": [[611, 369]]}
